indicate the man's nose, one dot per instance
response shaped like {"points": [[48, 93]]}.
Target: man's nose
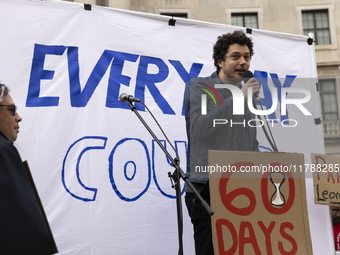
{"points": [[18, 117], [243, 60]]}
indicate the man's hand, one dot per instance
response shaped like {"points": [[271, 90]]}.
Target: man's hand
{"points": [[253, 84]]}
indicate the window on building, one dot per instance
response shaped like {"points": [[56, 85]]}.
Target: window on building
{"points": [[101, 2], [172, 14], [244, 20], [328, 100], [317, 22]]}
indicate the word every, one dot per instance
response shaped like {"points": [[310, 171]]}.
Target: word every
{"points": [[117, 60]]}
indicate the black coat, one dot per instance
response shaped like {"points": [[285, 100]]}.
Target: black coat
{"points": [[22, 226]]}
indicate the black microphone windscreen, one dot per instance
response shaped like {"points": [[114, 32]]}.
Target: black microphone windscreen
{"points": [[247, 75], [123, 97]]}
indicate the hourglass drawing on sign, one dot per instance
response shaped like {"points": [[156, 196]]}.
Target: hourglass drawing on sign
{"points": [[277, 179]]}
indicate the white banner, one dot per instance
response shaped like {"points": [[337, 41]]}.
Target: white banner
{"points": [[102, 178]]}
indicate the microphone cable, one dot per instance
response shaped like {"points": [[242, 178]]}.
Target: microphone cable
{"points": [[178, 177], [245, 77], [124, 98], [270, 140], [177, 156]]}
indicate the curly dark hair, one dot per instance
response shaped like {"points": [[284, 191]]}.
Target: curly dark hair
{"points": [[223, 42]]}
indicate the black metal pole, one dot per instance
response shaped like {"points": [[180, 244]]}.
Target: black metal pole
{"points": [[178, 174]]}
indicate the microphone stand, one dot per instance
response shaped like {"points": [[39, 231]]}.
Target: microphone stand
{"points": [[178, 173]]}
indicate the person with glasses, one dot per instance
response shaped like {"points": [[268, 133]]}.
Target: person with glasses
{"points": [[23, 228], [9, 119]]}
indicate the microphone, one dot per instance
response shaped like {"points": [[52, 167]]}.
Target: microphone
{"points": [[127, 98], [246, 76]]}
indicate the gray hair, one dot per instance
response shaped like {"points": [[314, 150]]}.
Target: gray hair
{"points": [[4, 90]]}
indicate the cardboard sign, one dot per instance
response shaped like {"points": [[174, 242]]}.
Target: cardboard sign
{"points": [[326, 173], [259, 202]]}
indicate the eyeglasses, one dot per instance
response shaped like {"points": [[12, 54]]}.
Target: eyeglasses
{"points": [[11, 108]]}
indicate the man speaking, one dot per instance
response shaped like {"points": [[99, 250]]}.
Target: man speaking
{"points": [[232, 54]]}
